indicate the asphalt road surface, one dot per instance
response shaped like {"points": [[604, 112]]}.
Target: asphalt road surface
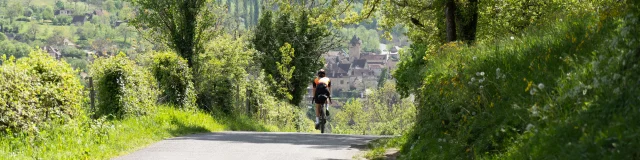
{"points": [[255, 145]]}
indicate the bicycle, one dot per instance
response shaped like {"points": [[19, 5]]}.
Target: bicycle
{"points": [[323, 116]]}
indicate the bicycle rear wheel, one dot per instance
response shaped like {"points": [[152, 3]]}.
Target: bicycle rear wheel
{"points": [[323, 118], [321, 127]]}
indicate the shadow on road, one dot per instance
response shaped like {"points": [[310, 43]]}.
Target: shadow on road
{"points": [[320, 141]]}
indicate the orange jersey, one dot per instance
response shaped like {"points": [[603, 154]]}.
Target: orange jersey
{"points": [[324, 80]]}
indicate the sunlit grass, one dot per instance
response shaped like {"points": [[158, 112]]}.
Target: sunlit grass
{"points": [[103, 139]]}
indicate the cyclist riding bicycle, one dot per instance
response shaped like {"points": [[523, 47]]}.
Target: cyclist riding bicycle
{"points": [[321, 93]]}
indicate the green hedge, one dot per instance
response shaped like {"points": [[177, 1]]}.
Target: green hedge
{"points": [[35, 90], [122, 87], [174, 79]]}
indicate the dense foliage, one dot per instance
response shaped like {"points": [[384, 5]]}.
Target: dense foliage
{"points": [[17, 50], [174, 77], [382, 112], [222, 74], [123, 88], [562, 90], [36, 90]]}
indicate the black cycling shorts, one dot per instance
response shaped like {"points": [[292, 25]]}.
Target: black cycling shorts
{"points": [[321, 99]]}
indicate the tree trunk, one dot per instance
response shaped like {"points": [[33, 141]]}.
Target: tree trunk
{"points": [[450, 10], [471, 24], [236, 10]]}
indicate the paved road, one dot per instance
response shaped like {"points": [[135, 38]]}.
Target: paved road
{"points": [[255, 145]]}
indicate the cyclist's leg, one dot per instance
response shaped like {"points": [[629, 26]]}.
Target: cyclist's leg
{"points": [[317, 107]]}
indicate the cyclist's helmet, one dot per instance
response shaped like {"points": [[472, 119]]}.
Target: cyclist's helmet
{"points": [[321, 73]]}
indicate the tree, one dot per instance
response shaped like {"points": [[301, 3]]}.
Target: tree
{"points": [[57, 39], [14, 10], [102, 45], [222, 73], [59, 5], [47, 13], [125, 30], [256, 11], [383, 78], [183, 25], [33, 31], [306, 40], [27, 2], [450, 11]]}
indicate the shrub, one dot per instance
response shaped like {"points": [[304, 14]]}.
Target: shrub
{"points": [[78, 64], [35, 90], [222, 73], [3, 37], [174, 79], [123, 88], [74, 53], [14, 48]]}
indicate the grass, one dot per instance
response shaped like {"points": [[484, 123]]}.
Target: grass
{"points": [[103, 139], [562, 90], [378, 148]]}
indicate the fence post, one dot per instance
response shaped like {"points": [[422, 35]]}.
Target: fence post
{"points": [[92, 96]]}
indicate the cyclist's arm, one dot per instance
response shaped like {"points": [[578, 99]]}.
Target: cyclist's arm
{"points": [[313, 93], [329, 88]]}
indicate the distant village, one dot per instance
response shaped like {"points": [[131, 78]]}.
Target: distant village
{"points": [[354, 73]]}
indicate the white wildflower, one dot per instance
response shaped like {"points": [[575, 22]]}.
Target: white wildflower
{"points": [[541, 86], [512, 38], [481, 87], [482, 73], [481, 80], [502, 130], [533, 91], [477, 73], [530, 126], [534, 111], [473, 79], [475, 58]]}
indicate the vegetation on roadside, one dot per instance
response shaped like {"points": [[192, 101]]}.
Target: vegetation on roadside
{"points": [[119, 86], [36, 90], [381, 112], [564, 89], [87, 138]]}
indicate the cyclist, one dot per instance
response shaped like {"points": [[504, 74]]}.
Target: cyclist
{"points": [[321, 93]]}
